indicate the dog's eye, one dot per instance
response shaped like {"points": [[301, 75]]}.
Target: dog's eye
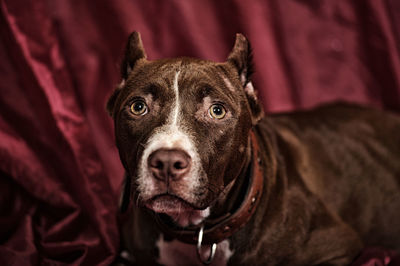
{"points": [[217, 111], [139, 108]]}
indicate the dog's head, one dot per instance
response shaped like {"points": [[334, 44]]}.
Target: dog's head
{"points": [[182, 127]]}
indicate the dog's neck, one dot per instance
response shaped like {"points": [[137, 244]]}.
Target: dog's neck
{"points": [[234, 193]]}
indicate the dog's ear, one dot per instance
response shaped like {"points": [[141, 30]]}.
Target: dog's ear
{"points": [[125, 197], [241, 58], [133, 53]]}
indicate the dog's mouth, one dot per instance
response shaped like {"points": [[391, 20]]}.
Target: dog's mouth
{"points": [[182, 212], [168, 204]]}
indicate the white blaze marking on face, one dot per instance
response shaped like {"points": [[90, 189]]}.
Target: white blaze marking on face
{"points": [[171, 135], [178, 253], [177, 106]]}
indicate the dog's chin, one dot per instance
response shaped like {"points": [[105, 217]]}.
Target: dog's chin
{"points": [[168, 204], [180, 211]]}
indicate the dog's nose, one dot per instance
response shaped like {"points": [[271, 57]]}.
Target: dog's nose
{"points": [[168, 164]]}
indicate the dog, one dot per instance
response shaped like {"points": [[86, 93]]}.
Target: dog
{"points": [[215, 181]]}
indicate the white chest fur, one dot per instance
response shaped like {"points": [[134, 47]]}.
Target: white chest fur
{"points": [[176, 253]]}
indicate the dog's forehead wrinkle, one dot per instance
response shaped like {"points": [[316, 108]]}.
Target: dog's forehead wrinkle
{"points": [[157, 86], [228, 83], [207, 80], [212, 92]]}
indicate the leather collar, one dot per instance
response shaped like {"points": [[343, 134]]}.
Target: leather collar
{"points": [[219, 229]]}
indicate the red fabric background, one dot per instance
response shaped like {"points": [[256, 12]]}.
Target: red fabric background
{"points": [[59, 170]]}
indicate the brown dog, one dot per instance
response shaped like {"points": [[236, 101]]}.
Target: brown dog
{"points": [[215, 182]]}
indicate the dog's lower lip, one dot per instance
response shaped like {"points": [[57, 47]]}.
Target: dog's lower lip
{"points": [[168, 204]]}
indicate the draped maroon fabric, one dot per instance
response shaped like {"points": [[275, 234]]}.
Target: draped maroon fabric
{"points": [[59, 170]]}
